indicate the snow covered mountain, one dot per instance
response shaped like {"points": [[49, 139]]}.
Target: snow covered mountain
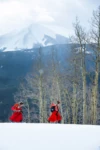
{"points": [[31, 37]]}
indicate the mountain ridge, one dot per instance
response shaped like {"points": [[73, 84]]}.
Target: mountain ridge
{"points": [[33, 36]]}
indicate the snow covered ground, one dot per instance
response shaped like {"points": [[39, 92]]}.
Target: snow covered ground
{"points": [[24, 136]]}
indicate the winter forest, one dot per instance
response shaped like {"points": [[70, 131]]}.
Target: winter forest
{"points": [[71, 77], [72, 82]]}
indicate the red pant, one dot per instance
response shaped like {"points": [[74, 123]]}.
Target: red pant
{"points": [[16, 117], [55, 117]]}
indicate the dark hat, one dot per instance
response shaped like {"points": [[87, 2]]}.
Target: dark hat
{"points": [[58, 102], [21, 103]]}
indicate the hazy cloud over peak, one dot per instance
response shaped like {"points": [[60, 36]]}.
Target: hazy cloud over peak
{"points": [[15, 14]]}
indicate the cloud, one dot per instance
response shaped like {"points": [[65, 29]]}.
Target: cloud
{"points": [[15, 14]]}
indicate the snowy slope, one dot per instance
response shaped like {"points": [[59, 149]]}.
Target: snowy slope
{"points": [[49, 137], [32, 36]]}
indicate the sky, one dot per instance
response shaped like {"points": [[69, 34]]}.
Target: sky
{"points": [[56, 14]]}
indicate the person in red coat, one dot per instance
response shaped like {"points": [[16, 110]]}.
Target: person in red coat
{"points": [[55, 115], [17, 115]]}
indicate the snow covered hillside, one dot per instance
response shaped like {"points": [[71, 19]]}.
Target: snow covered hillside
{"points": [[35, 35], [49, 137]]}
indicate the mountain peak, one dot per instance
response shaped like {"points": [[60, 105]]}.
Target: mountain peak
{"points": [[31, 37]]}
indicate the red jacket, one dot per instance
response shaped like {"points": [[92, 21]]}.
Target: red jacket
{"points": [[55, 116], [17, 114]]}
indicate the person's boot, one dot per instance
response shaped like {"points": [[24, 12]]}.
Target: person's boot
{"points": [[59, 121]]}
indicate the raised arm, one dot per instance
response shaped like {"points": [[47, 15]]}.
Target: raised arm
{"points": [[13, 108]]}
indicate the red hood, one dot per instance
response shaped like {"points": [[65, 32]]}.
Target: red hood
{"points": [[52, 105]]}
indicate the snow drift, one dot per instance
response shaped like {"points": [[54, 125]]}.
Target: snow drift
{"points": [[24, 136]]}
